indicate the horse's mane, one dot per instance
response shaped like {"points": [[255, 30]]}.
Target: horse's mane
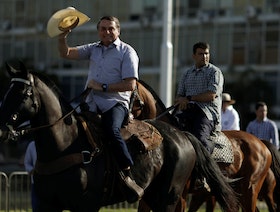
{"points": [[48, 82], [58, 93]]}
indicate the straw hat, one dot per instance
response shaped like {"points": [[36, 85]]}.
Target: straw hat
{"points": [[64, 20], [227, 98]]}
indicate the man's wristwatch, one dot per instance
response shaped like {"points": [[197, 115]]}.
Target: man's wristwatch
{"points": [[189, 98], [104, 87]]}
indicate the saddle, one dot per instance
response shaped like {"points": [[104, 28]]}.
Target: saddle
{"points": [[223, 151], [144, 136]]}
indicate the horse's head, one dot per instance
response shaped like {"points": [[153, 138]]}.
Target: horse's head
{"points": [[150, 106], [19, 104]]}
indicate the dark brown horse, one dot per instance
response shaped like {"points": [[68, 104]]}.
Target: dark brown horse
{"points": [[76, 170], [252, 159]]}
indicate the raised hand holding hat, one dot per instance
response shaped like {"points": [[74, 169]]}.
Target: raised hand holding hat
{"points": [[65, 20]]}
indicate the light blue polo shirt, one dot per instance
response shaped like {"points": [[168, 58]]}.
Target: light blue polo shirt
{"points": [[109, 65]]}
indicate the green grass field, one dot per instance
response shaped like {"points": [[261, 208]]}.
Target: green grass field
{"points": [[124, 210], [261, 206]]}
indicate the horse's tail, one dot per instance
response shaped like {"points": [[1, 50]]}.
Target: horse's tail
{"points": [[275, 167], [208, 168]]}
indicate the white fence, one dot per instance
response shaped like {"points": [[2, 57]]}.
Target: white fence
{"points": [[15, 193], [3, 191]]}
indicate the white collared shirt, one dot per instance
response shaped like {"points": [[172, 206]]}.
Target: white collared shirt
{"points": [[230, 119]]}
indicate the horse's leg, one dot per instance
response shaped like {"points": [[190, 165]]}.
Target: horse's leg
{"points": [[210, 204], [47, 208], [182, 204], [270, 203], [143, 207], [276, 198], [180, 207], [267, 191], [252, 162], [249, 197], [163, 194], [197, 200]]}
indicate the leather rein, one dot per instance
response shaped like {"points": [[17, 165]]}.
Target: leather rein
{"points": [[29, 130]]}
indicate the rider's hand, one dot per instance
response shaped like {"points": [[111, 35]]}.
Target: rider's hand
{"points": [[182, 101], [63, 35], [94, 85]]}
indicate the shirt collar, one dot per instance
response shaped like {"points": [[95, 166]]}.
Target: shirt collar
{"points": [[200, 69], [230, 107], [264, 120], [117, 42]]}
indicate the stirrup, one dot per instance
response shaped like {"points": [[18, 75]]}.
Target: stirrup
{"points": [[133, 187]]}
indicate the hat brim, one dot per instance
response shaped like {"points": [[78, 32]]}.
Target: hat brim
{"points": [[74, 18], [230, 102]]}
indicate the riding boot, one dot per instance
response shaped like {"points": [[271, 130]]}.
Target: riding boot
{"points": [[134, 191]]}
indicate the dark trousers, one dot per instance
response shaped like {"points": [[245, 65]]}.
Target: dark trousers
{"points": [[194, 120], [112, 121], [34, 199]]}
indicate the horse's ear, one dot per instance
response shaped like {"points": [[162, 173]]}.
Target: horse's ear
{"points": [[16, 68]]}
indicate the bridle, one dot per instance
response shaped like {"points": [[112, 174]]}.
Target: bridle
{"points": [[64, 161], [28, 94], [26, 129]]}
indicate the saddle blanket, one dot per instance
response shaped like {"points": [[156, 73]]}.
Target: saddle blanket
{"points": [[223, 151]]}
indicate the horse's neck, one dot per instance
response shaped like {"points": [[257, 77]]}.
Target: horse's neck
{"points": [[51, 106], [61, 134], [149, 107]]}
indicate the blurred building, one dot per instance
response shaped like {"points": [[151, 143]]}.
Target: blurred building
{"points": [[243, 34]]}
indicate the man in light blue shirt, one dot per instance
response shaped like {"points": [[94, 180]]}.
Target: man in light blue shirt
{"points": [[113, 72], [263, 127]]}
